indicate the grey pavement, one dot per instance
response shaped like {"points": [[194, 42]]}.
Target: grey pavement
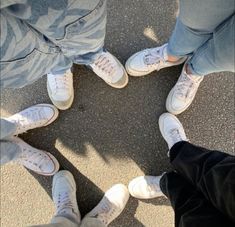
{"points": [[111, 136]]}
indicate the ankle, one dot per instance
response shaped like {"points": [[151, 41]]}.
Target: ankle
{"points": [[171, 58]]}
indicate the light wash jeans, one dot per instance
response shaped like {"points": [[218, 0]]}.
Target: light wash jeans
{"points": [[38, 37], [205, 31], [9, 151], [66, 222]]}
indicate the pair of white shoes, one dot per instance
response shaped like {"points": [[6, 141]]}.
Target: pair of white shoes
{"points": [[37, 116], [154, 59], [106, 66]]}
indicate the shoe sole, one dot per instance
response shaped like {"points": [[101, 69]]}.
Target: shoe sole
{"points": [[161, 123], [55, 102]]}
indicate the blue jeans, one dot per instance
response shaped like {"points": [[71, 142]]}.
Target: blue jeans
{"points": [[40, 37], [205, 31]]}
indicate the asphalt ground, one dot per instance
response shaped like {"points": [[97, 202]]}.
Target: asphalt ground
{"points": [[110, 135]]}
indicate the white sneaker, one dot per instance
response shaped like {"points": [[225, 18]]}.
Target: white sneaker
{"points": [[108, 68], [34, 117], [60, 89], [112, 204], [145, 187], [149, 60], [171, 129], [183, 93], [64, 196], [36, 160]]}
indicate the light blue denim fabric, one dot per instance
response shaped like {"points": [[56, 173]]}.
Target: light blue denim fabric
{"points": [[8, 151], [205, 31], [42, 36]]}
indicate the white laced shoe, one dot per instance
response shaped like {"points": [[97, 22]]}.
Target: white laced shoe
{"points": [[108, 68], [182, 94], [64, 196], [34, 117], [60, 89], [145, 187], [149, 60], [36, 160], [112, 204], [171, 129]]}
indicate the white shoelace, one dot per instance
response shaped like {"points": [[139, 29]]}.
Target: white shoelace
{"points": [[60, 82], [105, 65], [106, 212], [154, 56], [185, 87], [175, 135], [64, 203], [32, 157]]}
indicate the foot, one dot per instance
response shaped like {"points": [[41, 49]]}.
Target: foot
{"points": [[182, 94], [64, 196], [34, 117], [108, 68], [36, 160], [112, 204], [60, 89], [171, 129], [149, 60], [145, 187]]}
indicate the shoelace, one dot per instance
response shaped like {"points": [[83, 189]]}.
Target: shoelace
{"points": [[105, 65], [29, 118], [106, 212], [154, 56], [33, 157], [64, 202], [60, 82], [185, 86]]}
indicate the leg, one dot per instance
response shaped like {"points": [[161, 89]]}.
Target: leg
{"points": [[210, 172], [196, 23], [217, 54], [190, 206], [64, 196]]}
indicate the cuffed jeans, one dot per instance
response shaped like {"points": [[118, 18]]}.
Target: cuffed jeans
{"points": [[9, 151], [205, 31], [40, 37], [66, 222], [202, 187]]}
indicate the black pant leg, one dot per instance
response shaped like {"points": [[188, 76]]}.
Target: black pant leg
{"points": [[190, 206], [211, 172]]}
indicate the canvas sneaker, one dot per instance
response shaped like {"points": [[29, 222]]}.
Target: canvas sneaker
{"points": [[112, 204], [171, 129], [36, 160], [145, 187], [149, 60], [34, 117], [60, 89], [64, 196], [182, 94], [108, 68]]}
